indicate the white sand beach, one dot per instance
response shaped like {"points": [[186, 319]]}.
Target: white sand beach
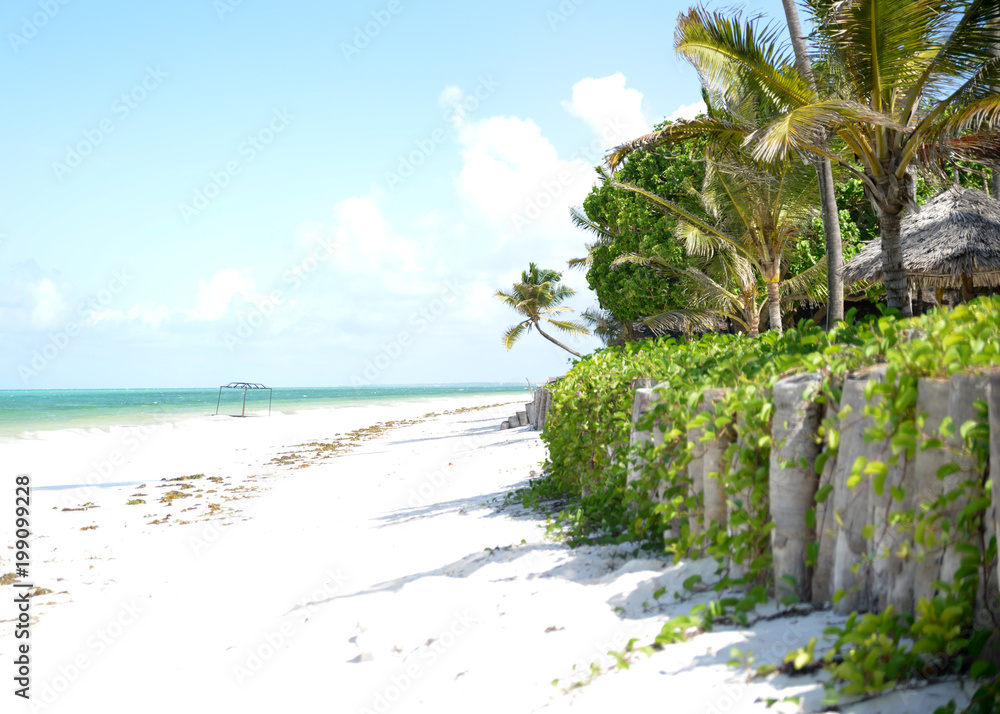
{"points": [[390, 577]]}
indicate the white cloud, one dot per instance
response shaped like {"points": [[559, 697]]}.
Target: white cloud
{"points": [[364, 238], [215, 294], [450, 96], [49, 306], [689, 111], [150, 314], [429, 219], [513, 176], [105, 315], [610, 109]]}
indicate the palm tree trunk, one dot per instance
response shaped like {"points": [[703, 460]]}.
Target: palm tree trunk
{"points": [[774, 304], [752, 318], [834, 242], [897, 291], [995, 172], [824, 172], [553, 340]]}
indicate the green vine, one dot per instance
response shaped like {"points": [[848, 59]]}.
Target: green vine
{"points": [[607, 490]]}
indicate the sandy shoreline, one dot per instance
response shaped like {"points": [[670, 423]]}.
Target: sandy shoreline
{"points": [[386, 578]]}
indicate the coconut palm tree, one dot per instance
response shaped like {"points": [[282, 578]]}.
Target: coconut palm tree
{"points": [[752, 211], [734, 293], [536, 298], [907, 81]]}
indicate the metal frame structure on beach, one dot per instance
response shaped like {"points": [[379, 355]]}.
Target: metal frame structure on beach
{"points": [[244, 386]]}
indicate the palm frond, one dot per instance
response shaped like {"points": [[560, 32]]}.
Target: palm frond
{"points": [[604, 232], [686, 320], [811, 282], [741, 62], [721, 132], [796, 130], [585, 262], [965, 50], [703, 291], [672, 208], [572, 327], [882, 44], [514, 332], [509, 297], [981, 114], [980, 147], [604, 325], [696, 241]]}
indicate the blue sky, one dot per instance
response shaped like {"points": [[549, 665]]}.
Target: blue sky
{"points": [[305, 193]]}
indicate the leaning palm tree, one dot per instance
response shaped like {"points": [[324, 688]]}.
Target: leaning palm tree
{"points": [[538, 296], [752, 212], [907, 81]]}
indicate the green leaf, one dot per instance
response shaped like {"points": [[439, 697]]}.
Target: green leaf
{"points": [[691, 582], [981, 668], [948, 469]]}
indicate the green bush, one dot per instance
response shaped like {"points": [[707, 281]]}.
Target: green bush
{"points": [[588, 430]]}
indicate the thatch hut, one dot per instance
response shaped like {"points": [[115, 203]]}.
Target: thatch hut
{"points": [[952, 242]]}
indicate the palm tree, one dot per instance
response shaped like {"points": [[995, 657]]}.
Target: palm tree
{"points": [[606, 327], [536, 297], [824, 173], [733, 293], [909, 81], [752, 211]]}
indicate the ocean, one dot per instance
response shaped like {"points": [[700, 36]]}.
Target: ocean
{"points": [[43, 409]]}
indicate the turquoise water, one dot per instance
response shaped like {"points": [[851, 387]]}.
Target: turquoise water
{"points": [[42, 409]]}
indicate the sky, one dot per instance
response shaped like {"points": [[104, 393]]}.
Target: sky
{"points": [[306, 193]]}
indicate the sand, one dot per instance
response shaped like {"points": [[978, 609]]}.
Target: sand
{"points": [[388, 577]]}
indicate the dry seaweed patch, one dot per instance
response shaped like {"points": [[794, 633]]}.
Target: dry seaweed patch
{"points": [[464, 410], [215, 479], [8, 578], [40, 591], [135, 502], [180, 486], [184, 478], [85, 507], [89, 528], [171, 496], [158, 521], [341, 444]]}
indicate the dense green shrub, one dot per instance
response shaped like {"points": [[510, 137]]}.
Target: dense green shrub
{"points": [[588, 435]]}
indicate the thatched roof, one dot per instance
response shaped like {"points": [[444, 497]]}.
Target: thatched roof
{"points": [[955, 233]]}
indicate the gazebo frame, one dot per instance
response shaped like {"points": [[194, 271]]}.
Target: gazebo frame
{"points": [[244, 386]]}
